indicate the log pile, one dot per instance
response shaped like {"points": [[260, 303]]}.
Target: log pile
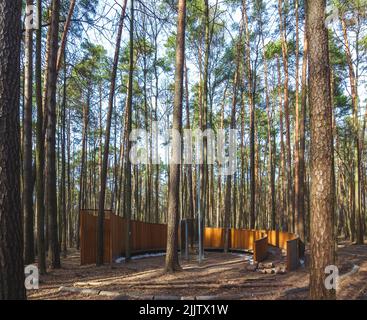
{"points": [[266, 268]]}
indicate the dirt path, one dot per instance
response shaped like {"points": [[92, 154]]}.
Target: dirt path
{"points": [[220, 275], [355, 285]]}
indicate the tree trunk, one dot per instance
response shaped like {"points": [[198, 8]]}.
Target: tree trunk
{"points": [[204, 113], [300, 215], [64, 35], [11, 235], [128, 182], [70, 197], [172, 263], [252, 119], [119, 205], [27, 147], [51, 193], [321, 153], [190, 191], [62, 190], [296, 126], [40, 152]]}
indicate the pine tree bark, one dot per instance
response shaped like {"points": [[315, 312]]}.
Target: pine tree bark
{"points": [[190, 191], [61, 51], [121, 166], [220, 196], [242, 192], [300, 207], [11, 234], [129, 110], [296, 125], [27, 147], [204, 112], [321, 152], [62, 190], [252, 119], [40, 151], [51, 193], [69, 191], [172, 263]]}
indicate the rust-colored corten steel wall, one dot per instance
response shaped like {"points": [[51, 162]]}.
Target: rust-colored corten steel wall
{"points": [[214, 238], [292, 254], [154, 236], [239, 239], [261, 248], [256, 241], [149, 237], [242, 239], [144, 236], [118, 236], [88, 237], [288, 242]]}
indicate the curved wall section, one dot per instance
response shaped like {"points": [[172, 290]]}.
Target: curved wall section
{"points": [[147, 237]]}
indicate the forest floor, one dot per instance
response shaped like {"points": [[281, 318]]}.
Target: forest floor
{"points": [[222, 276]]}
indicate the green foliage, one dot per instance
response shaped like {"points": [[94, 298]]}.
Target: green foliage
{"points": [[170, 46], [88, 73], [337, 55], [363, 43], [273, 49], [93, 62]]}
